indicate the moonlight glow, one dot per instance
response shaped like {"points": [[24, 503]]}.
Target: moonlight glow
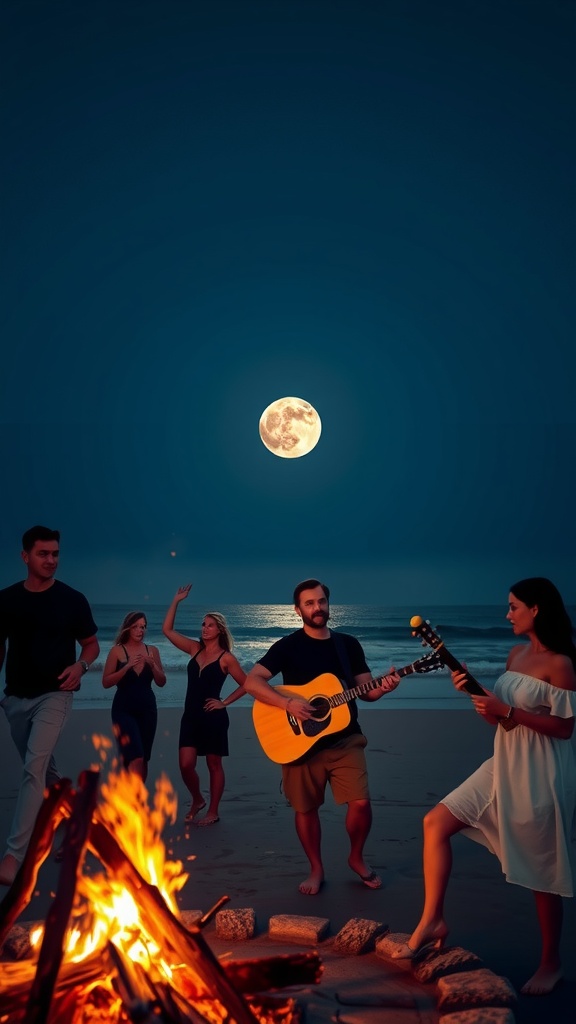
{"points": [[290, 427]]}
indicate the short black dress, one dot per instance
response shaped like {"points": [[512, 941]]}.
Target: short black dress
{"points": [[134, 713], [206, 731]]}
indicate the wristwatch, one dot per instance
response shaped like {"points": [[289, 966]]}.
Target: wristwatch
{"points": [[85, 666]]}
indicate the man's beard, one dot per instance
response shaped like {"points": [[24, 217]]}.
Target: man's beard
{"points": [[316, 621]]}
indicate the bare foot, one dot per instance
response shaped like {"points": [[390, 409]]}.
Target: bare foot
{"points": [[543, 982], [194, 810], [209, 819], [8, 869], [312, 885], [368, 876]]}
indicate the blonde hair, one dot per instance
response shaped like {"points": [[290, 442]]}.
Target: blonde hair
{"points": [[127, 623], [224, 634]]}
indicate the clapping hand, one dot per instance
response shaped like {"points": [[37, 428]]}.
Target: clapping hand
{"points": [[135, 660]]}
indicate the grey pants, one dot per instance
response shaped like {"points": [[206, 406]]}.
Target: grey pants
{"points": [[36, 724]]}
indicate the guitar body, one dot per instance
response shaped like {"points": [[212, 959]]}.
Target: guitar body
{"points": [[284, 738]]}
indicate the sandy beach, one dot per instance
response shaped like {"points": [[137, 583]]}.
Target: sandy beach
{"points": [[252, 854]]}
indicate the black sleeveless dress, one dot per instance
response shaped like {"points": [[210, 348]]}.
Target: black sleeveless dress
{"points": [[206, 731], [134, 713]]}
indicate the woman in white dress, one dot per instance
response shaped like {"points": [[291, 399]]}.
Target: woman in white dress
{"points": [[521, 803]]}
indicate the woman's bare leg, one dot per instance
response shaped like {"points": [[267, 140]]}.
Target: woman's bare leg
{"points": [[439, 827], [188, 758], [217, 782], [550, 913]]}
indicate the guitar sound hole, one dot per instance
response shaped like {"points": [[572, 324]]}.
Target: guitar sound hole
{"points": [[321, 708]]}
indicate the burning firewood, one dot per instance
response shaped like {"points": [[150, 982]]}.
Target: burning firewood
{"points": [[281, 971], [54, 808], [52, 949], [151, 966]]}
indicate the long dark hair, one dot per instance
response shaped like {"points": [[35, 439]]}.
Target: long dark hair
{"points": [[127, 623], [552, 624]]}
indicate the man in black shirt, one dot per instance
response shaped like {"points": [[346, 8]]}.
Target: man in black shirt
{"points": [[337, 759], [42, 619]]}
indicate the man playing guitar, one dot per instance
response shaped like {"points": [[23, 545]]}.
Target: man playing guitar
{"points": [[337, 759]]}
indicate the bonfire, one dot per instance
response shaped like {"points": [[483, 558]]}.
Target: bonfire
{"points": [[113, 947]]}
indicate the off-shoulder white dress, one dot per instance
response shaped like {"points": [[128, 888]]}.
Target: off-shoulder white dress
{"points": [[521, 803]]}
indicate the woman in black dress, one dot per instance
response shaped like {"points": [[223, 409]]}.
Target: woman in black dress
{"points": [[204, 726], [132, 666]]}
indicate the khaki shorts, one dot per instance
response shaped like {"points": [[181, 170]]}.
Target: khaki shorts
{"points": [[343, 766]]}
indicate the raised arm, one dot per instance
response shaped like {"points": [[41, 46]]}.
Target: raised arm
{"points": [[183, 643]]}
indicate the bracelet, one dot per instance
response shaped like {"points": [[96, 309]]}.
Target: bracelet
{"points": [[509, 715]]}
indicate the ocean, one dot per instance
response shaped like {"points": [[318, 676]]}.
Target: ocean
{"points": [[478, 635]]}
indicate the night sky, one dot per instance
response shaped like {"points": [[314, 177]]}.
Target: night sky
{"points": [[368, 205]]}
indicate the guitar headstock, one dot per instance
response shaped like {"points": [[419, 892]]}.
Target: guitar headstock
{"points": [[424, 630], [429, 663]]}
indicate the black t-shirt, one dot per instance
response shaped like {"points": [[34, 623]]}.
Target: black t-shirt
{"points": [[41, 628], [300, 658]]}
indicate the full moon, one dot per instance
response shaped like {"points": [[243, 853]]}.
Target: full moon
{"points": [[290, 427]]}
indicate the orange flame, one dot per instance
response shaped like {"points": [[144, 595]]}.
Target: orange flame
{"points": [[104, 910]]}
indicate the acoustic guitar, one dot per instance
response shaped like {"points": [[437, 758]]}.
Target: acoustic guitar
{"points": [[423, 629], [285, 738]]}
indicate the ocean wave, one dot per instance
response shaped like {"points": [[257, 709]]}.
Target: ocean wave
{"points": [[499, 632]]}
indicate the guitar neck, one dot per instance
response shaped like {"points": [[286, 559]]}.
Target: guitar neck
{"points": [[372, 684], [448, 659]]}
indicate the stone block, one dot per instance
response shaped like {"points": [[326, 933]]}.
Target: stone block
{"points": [[298, 928], [437, 963], [483, 1015], [470, 990], [236, 924], [17, 943], [388, 943], [358, 936]]}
